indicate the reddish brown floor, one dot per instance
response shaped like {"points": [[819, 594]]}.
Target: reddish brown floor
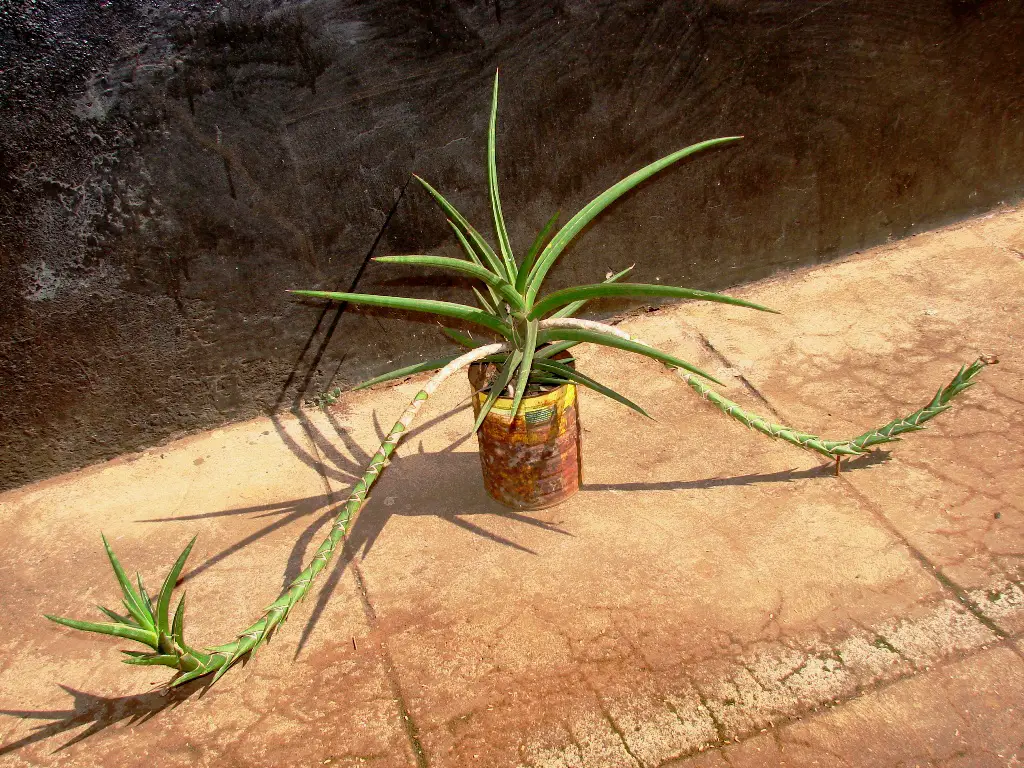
{"points": [[710, 598]]}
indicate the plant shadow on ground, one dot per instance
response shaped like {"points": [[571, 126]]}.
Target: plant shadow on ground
{"points": [[96, 712], [786, 476], [340, 458], [343, 461], [461, 496]]}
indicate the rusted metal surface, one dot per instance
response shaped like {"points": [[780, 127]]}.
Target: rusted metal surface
{"points": [[531, 461]]}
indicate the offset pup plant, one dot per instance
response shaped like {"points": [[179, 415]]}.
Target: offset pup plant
{"points": [[530, 356]]}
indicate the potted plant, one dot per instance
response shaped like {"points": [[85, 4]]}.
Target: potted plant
{"points": [[524, 400]]}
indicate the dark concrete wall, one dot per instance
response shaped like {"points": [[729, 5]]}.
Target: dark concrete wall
{"points": [[170, 168]]}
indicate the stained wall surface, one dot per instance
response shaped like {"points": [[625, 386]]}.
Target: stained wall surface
{"points": [[169, 169]]}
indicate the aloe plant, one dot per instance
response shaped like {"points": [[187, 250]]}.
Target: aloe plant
{"points": [[512, 308], [531, 331]]}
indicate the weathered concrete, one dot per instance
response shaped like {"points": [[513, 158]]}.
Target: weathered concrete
{"points": [[964, 715], [169, 168], [706, 586], [957, 495]]}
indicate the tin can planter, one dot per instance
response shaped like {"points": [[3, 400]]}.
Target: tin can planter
{"points": [[531, 460]]}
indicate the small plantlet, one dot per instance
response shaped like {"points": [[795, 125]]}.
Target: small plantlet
{"points": [[530, 332], [326, 399]]}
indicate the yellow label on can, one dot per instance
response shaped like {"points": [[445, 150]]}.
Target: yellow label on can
{"points": [[536, 408]]}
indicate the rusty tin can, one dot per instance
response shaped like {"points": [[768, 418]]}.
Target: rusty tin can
{"points": [[533, 460]]}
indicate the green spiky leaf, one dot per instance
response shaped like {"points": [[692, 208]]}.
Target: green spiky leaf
{"points": [[540, 378], [152, 660], [132, 599], [492, 305], [531, 255], [498, 386], [633, 290], [487, 306], [528, 349], [484, 252], [144, 594], [178, 623], [462, 339], [473, 270], [492, 187], [430, 306], [567, 372], [552, 349], [138, 634], [608, 340], [598, 204], [194, 674], [163, 603], [571, 309], [409, 370], [116, 616]]}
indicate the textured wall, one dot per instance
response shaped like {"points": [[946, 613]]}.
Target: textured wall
{"points": [[169, 168]]}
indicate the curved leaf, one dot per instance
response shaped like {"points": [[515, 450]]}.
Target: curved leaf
{"points": [[132, 599], [116, 616], [485, 305], [138, 634], [146, 602], [630, 290], [466, 268], [152, 660], [483, 250], [489, 306], [608, 340], [492, 186], [163, 602], [529, 349], [553, 349], [572, 374], [527, 265], [430, 306], [409, 370], [571, 309], [462, 339], [498, 386], [598, 204], [178, 623]]}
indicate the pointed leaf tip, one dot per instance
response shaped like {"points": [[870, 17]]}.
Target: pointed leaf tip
{"points": [[178, 624], [164, 600], [132, 599]]}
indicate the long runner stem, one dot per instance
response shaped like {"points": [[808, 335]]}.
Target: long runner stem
{"points": [[223, 656], [149, 623], [833, 449]]}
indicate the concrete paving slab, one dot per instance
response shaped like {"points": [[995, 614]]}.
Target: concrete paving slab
{"points": [[966, 714], [869, 339], [705, 585], [66, 699]]}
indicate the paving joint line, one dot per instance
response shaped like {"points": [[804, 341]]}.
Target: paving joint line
{"points": [[934, 570], [612, 724], [816, 710], [1005, 640], [409, 726]]}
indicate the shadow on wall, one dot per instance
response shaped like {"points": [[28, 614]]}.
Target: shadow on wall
{"points": [[170, 169]]}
